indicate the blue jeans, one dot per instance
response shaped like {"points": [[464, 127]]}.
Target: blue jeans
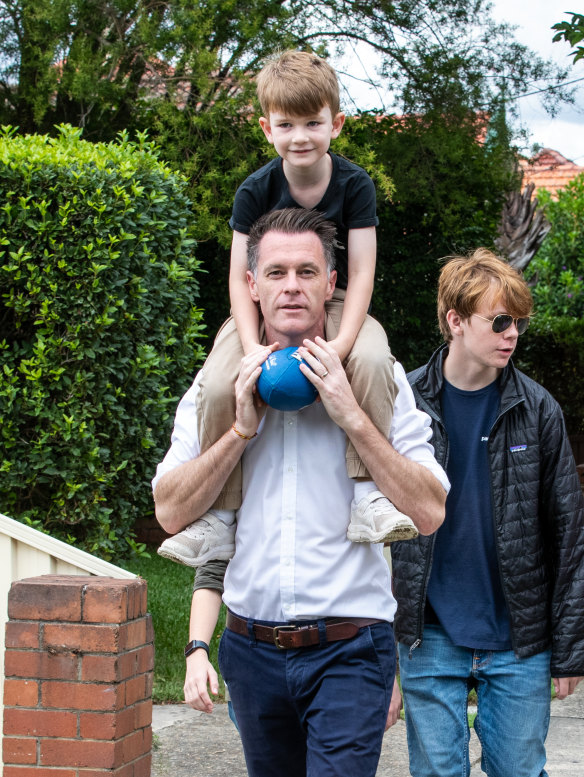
{"points": [[513, 708], [311, 711]]}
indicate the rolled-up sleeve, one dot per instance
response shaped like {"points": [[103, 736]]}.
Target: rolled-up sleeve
{"points": [[411, 430], [184, 440]]}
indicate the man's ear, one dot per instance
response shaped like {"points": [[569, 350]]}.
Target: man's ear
{"points": [[267, 128], [454, 320], [332, 282], [253, 287], [338, 123]]}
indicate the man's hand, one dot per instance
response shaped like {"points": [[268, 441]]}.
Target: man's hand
{"points": [[200, 672], [249, 407], [327, 375], [394, 706], [565, 686]]}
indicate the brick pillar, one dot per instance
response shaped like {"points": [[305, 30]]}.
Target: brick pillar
{"points": [[78, 667]]}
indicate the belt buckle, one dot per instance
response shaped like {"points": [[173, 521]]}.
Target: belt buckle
{"points": [[276, 634]]}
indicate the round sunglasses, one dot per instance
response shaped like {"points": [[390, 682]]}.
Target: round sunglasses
{"points": [[503, 321]]}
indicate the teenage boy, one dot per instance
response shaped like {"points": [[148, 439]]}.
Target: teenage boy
{"points": [[299, 96], [308, 651], [495, 599]]}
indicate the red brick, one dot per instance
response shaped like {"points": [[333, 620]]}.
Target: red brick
{"points": [[105, 602], [142, 766], [36, 771], [136, 689], [40, 723], [22, 634], [135, 745], [104, 668], [85, 638], [21, 693], [45, 666], [80, 753], [49, 597], [18, 750], [107, 725], [145, 659], [81, 696], [143, 712], [98, 725], [133, 634]]}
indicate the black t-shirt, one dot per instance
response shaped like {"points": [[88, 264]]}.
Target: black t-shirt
{"points": [[349, 202]]}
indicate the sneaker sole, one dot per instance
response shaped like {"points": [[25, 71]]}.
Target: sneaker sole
{"points": [[222, 553], [396, 534]]}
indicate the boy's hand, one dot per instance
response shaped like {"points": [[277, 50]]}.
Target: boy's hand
{"points": [[342, 349], [251, 347], [200, 678]]}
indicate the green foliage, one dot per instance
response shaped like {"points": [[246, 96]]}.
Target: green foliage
{"points": [[170, 588], [573, 33], [555, 343], [99, 331], [552, 353], [557, 270], [101, 65], [449, 190]]}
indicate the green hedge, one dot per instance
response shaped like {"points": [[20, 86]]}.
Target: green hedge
{"points": [[98, 330], [552, 353]]}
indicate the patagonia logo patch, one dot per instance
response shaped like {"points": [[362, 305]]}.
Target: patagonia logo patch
{"points": [[517, 448]]}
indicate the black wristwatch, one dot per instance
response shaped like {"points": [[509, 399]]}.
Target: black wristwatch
{"points": [[195, 644]]}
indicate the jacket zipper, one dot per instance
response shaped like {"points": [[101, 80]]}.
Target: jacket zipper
{"points": [[420, 628], [495, 424]]}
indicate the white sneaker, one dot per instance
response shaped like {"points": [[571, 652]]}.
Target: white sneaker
{"points": [[205, 539], [375, 519]]}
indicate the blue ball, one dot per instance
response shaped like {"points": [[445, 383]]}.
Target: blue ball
{"points": [[282, 385]]}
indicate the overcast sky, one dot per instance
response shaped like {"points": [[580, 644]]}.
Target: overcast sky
{"points": [[565, 132]]}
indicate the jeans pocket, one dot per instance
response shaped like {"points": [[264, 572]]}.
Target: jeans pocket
{"points": [[381, 646]]}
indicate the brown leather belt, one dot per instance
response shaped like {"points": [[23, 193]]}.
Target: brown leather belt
{"points": [[298, 635]]}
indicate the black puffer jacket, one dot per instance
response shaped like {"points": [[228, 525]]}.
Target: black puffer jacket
{"points": [[539, 522]]}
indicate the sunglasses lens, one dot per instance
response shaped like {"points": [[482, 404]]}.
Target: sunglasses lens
{"points": [[502, 322]]}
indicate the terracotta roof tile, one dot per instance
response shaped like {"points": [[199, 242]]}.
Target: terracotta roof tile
{"points": [[549, 170]]}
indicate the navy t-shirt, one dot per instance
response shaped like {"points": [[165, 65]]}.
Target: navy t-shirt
{"points": [[349, 202], [465, 591]]}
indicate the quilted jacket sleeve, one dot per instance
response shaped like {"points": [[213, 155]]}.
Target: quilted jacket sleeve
{"points": [[563, 511]]}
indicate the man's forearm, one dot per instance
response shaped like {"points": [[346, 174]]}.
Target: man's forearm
{"points": [[186, 492], [409, 485]]}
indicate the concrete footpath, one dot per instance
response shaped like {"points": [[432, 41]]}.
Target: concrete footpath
{"points": [[191, 744]]}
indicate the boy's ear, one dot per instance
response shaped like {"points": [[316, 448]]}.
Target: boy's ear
{"points": [[454, 321], [338, 122], [266, 127]]}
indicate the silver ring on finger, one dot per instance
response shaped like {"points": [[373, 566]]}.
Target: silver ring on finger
{"points": [[323, 376]]}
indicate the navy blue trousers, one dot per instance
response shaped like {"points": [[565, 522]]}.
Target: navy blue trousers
{"points": [[311, 711]]}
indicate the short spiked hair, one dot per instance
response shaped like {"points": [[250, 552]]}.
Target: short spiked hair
{"points": [[298, 83], [292, 221]]}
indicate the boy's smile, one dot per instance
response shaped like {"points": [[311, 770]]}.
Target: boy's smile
{"points": [[302, 141]]}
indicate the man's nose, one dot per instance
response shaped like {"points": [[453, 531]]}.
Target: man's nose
{"points": [[292, 284]]}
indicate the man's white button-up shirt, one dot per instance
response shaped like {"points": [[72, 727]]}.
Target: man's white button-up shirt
{"points": [[293, 560]]}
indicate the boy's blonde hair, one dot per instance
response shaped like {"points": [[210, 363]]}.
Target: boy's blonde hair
{"points": [[298, 83], [466, 280]]}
